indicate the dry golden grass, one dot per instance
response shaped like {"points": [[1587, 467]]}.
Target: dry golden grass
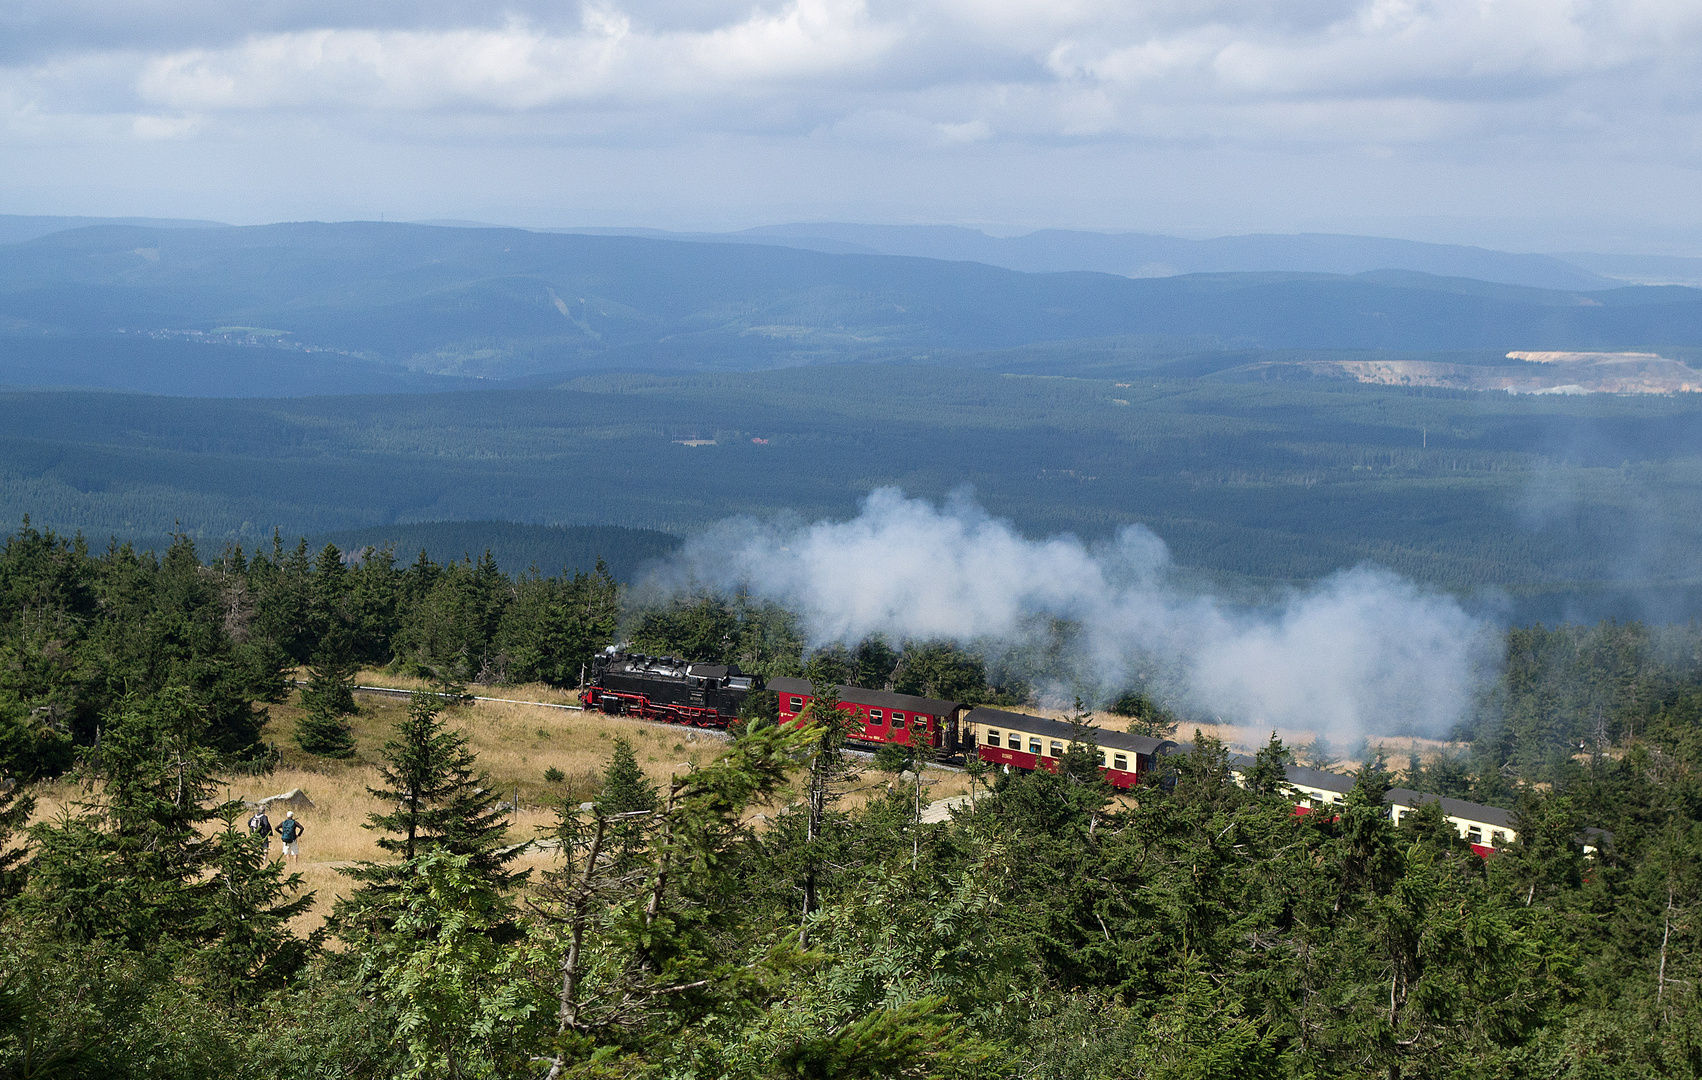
{"points": [[516, 743], [520, 691]]}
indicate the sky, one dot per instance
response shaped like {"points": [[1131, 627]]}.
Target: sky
{"points": [[1547, 125]]}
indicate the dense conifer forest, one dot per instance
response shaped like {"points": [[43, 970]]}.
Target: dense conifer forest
{"points": [[1563, 505], [1050, 929]]}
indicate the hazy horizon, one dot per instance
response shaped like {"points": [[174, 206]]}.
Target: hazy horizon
{"points": [[1674, 247], [1512, 125]]}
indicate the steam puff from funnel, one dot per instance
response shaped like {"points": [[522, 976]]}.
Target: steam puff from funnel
{"points": [[1363, 652]]}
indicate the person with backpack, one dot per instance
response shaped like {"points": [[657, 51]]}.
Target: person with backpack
{"points": [[289, 831], [260, 825]]}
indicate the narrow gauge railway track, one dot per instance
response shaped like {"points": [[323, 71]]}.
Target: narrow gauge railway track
{"points": [[719, 733], [395, 692]]}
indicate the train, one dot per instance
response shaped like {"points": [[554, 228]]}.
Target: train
{"points": [[668, 689], [671, 690]]}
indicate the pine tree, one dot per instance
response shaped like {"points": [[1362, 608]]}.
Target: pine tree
{"points": [[626, 961], [325, 733], [124, 865], [1318, 754], [830, 773], [463, 1006], [941, 670], [133, 865], [328, 697], [244, 912], [16, 806], [441, 801], [1269, 774], [554, 625], [1146, 716], [626, 790], [625, 787]]}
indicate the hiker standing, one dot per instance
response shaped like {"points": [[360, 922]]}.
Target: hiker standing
{"points": [[260, 825], [289, 831]]}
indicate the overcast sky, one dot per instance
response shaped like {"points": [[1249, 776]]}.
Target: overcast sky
{"points": [[1528, 124]]}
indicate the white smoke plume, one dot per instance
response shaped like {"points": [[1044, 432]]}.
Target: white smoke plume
{"points": [[1362, 652]]}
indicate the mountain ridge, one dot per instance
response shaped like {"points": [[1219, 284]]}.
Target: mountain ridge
{"points": [[508, 303]]}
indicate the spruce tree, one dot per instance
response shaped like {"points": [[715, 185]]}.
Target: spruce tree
{"points": [[244, 908], [625, 787], [16, 806], [325, 733], [328, 697], [132, 863], [1269, 774], [441, 801], [1146, 716], [626, 790], [123, 865], [830, 773]]}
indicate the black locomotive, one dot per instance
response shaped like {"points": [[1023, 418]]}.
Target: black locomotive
{"points": [[667, 688]]}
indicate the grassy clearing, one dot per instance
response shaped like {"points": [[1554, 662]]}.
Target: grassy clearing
{"points": [[554, 695], [516, 745]]}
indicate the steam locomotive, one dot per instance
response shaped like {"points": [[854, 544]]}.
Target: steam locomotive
{"points": [[666, 688]]}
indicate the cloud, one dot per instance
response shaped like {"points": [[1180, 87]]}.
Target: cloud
{"points": [[1327, 71], [520, 66], [1362, 652]]}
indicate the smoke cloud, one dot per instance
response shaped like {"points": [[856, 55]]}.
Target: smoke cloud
{"points": [[1362, 652]]}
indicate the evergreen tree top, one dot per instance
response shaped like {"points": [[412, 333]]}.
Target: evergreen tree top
{"points": [[625, 787], [441, 799]]}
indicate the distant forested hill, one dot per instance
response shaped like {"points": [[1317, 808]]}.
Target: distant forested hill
{"points": [[1550, 496], [186, 368], [516, 547], [505, 303], [1149, 255]]}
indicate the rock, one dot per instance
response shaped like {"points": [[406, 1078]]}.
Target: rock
{"points": [[587, 807], [293, 799]]}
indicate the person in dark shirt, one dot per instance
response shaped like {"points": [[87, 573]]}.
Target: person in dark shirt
{"points": [[289, 831]]}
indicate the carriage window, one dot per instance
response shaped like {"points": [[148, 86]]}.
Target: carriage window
{"points": [[875, 717], [992, 738], [1102, 759], [797, 703], [1120, 763], [1476, 836], [1057, 749], [1016, 741], [898, 721], [1034, 747], [1497, 838]]}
